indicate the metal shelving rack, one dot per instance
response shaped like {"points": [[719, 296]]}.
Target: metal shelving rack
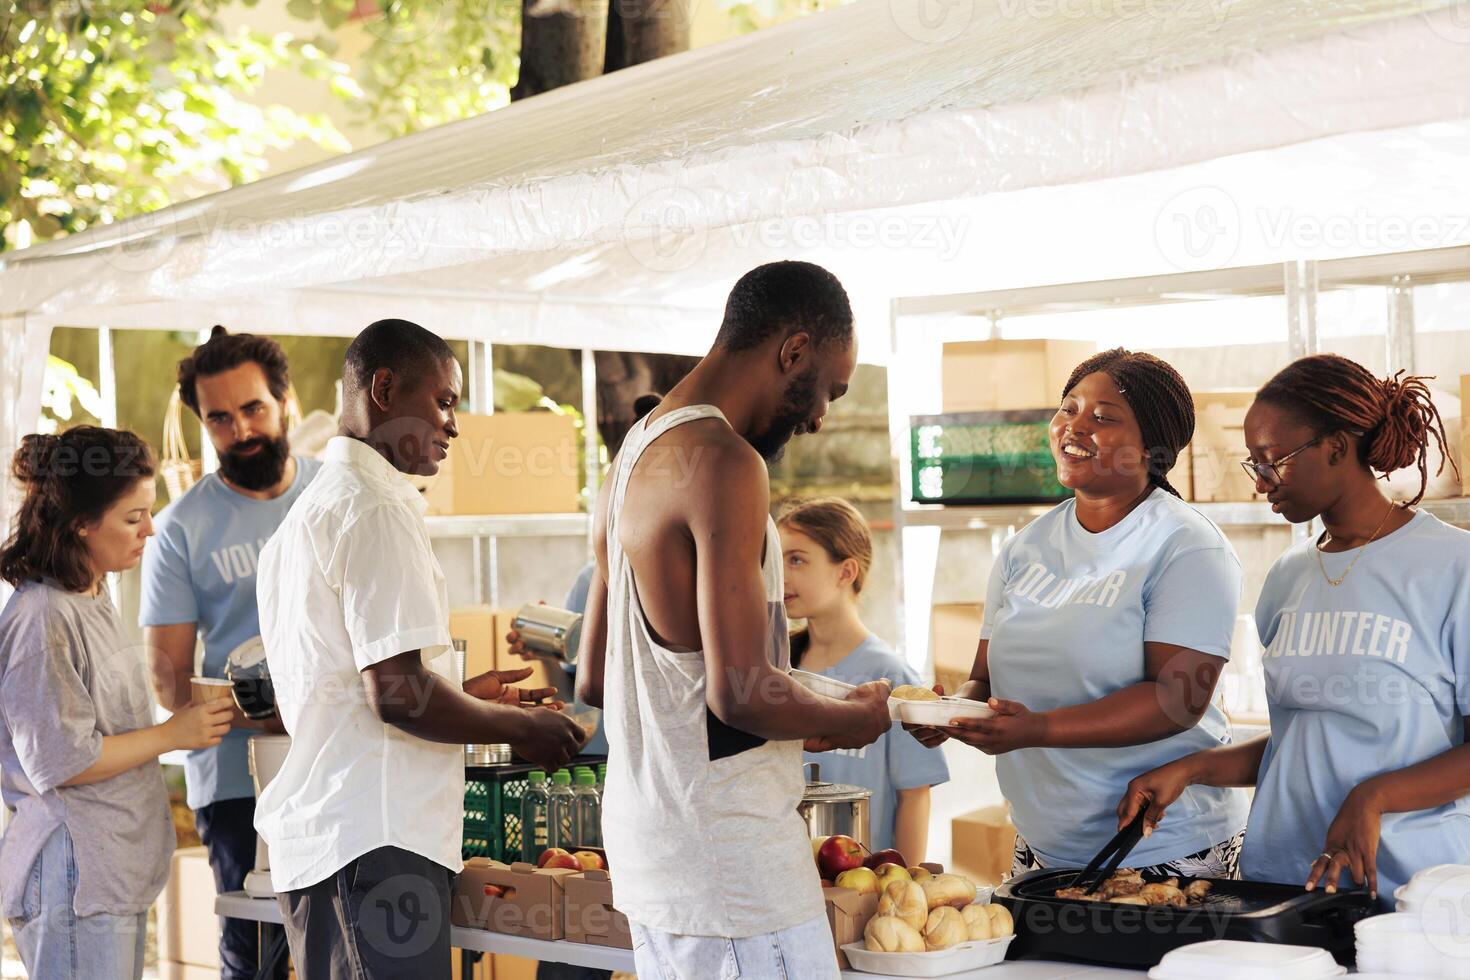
{"points": [[1297, 282]]}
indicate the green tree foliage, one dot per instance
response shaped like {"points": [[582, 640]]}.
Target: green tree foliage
{"points": [[107, 106]]}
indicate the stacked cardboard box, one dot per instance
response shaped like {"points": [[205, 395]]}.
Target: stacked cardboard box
{"points": [[188, 929], [509, 463], [1007, 375]]}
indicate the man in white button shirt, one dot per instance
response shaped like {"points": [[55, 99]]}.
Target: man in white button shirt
{"points": [[365, 818]]}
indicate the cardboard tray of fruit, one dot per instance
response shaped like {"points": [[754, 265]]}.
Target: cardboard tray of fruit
{"points": [[939, 963]]}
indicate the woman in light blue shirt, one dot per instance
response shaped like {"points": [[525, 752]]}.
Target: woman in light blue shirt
{"points": [[828, 551], [1107, 622], [1366, 631]]}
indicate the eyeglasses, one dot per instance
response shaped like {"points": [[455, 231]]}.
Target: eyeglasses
{"points": [[1270, 472]]}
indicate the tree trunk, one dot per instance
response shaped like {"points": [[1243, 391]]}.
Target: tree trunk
{"points": [[642, 30], [622, 377], [562, 41]]}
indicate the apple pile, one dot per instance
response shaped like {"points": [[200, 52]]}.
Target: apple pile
{"points": [[557, 857]]}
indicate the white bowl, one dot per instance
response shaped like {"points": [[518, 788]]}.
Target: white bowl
{"points": [[1227, 959], [939, 963], [939, 714], [830, 687]]}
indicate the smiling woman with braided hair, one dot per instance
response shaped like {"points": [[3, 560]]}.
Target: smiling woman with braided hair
{"points": [[1107, 622], [1367, 636]]}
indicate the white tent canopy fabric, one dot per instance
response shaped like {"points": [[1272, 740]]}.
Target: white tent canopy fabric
{"points": [[913, 146]]}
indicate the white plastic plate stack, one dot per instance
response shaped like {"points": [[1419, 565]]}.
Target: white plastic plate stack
{"points": [[938, 963], [830, 687], [1228, 959], [1429, 935]]}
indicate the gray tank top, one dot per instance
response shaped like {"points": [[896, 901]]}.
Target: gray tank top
{"points": [[699, 818]]}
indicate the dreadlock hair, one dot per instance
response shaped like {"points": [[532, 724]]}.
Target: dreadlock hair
{"points": [[1160, 401], [1395, 417]]}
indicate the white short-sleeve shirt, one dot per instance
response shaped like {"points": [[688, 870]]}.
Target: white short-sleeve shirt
{"points": [[347, 581]]}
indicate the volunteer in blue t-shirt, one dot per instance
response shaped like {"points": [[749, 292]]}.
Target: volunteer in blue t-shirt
{"points": [[1366, 631], [1107, 623], [199, 581], [828, 552]]}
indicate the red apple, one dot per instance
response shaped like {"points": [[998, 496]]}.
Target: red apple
{"points": [[838, 854], [889, 856], [556, 857], [590, 861]]}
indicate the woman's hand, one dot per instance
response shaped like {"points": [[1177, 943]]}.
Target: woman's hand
{"points": [[1013, 726], [1352, 843], [496, 685], [929, 736], [200, 726], [1154, 791]]}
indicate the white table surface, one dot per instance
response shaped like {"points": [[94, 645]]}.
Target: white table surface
{"points": [[238, 905]]}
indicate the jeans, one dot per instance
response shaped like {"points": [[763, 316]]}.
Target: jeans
{"points": [[385, 916], [227, 830], [803, 952], [54, 944]]}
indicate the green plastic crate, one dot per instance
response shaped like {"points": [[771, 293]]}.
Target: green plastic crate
{"points": [[984, 458], [492, 811]]}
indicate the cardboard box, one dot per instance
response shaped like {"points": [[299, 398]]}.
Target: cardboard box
{"points": [[590, 917], [522, 900], [983, 842], [847, 915], [1004, 375], [483, 629], [954, 632], [168, 970], [510, 463], [496, 966], [188, 929], [1219, 446]]}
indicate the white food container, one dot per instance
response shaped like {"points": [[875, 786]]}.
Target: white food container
{"points": [[1442, 886], [1228, 959], [940, 713], [832, 688], [939, 963]]}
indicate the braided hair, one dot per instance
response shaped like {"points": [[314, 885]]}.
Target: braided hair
{"points": [[1160, 400], [1395, 417]]}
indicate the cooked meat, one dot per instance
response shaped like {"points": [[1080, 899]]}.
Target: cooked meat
{"points": [[1163, 894], [1076, 893], [1118, 887], [1130, 900], [1196, 891]]}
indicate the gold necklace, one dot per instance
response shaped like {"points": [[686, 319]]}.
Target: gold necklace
{"points": [[1334, 582]]}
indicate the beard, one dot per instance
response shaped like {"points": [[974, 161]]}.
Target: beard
{"points": [[259, 471], [797, 404]]}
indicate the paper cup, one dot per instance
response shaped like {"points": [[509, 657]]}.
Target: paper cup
{"points": [[206, 689]]}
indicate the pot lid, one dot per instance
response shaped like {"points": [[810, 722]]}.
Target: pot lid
{"points": [[834, 792]]}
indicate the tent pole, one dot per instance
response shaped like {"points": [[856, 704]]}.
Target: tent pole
{"points": [[593, 464]]}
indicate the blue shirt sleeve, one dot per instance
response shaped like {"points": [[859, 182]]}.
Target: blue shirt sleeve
{"points": [[576, 600], [995, 591], [168, 588], [1192, 601]]}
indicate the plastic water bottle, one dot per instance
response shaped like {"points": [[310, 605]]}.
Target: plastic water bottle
{"points": [[601, 778], [562, 811], [534, 818], [589, 810]]}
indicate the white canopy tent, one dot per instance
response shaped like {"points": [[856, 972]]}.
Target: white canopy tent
{"points": [[912, 146]]}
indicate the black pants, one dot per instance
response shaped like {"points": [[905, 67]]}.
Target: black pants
{"points": [[385, 916], [227, 829]]}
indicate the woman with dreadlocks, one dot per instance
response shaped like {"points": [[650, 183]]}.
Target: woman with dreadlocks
{"points": [[1107, 622], [1367, 637]]}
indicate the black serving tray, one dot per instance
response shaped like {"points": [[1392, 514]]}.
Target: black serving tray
{"points": [[1135, 936]]}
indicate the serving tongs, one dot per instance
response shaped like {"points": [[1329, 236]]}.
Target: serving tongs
{"points": [[1111, 856]]}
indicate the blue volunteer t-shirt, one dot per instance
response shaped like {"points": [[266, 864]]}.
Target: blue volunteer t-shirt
{"points": [[1067, 615], [1363, 678], [896, 761], [200, 568]]}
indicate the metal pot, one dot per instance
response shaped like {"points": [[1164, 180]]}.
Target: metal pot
{"points": [[487, 755], [834, 808]]}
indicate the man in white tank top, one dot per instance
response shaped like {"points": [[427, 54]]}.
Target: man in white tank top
{"points": [[685, 647]]}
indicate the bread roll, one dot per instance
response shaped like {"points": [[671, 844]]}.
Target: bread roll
{"points": [[887, 934], [945, 928], [905, 900]]}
